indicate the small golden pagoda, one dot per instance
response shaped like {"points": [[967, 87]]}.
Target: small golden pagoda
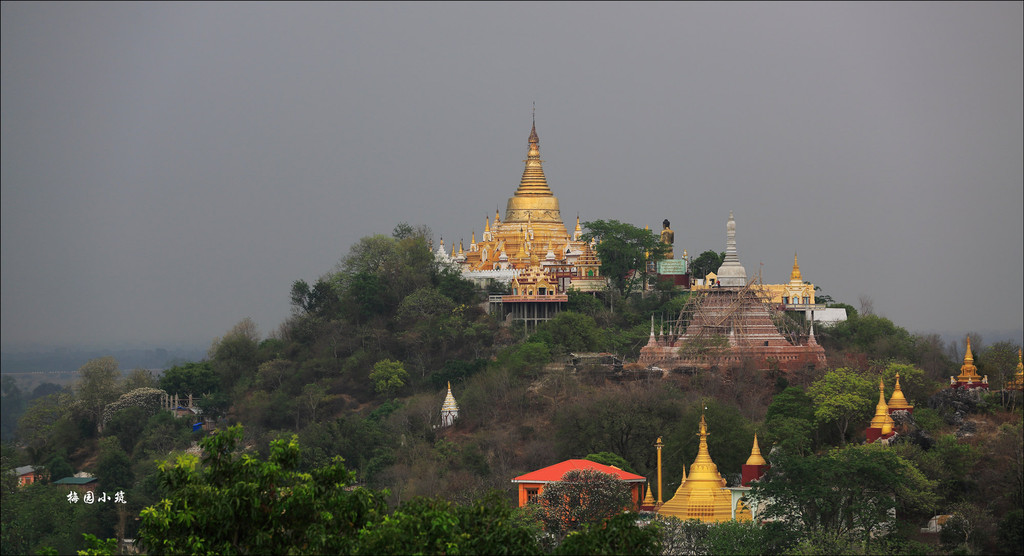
{"points": [[755, 467], [701, 495], [648, 504], [969, 377], [1017, 382], [897, 402], [882, 423], [755, 454]]}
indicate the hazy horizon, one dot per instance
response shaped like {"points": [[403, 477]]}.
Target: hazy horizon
{"points": [[170, 169]]}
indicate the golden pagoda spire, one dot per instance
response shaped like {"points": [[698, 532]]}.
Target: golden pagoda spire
{"points": [[968, 372], [755, 454], [533, 196], [881, 418], [487, 225], [795, 275], [898, 401]]}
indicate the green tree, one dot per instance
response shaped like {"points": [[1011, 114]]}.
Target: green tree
{"points": [[234, 355], [617, 535], [848, 493], [581, 497], [13, 406], [706, 262], [999, 362], [964, 529], [609, 458], [748, 537], [113, 468], [39, 426], [231, 503], [572, 332], [190, 378], [841, 397], [624, 251], [871, 334], [789, 422], [388, 376], [38, 518], [436, 526], [139, 378], [58, 468], [98, 385], [912, 382]]}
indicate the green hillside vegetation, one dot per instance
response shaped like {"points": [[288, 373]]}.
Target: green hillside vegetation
{"points": [[359, 371]]}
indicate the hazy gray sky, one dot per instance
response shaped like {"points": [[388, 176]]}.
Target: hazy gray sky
{"points": [[169, 169]]}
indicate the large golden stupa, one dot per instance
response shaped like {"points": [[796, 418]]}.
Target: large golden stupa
{"points": [[702, 494], [532, 235]]}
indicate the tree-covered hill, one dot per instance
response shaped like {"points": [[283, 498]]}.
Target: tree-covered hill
{"points": [[360, 368]]}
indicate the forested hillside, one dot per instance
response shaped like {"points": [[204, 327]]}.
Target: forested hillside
{"points": [[360, 369]]}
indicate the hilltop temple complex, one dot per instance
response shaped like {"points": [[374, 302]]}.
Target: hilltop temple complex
{"points": [[728, 324]]}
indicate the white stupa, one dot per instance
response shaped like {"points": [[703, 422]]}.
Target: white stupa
{"points": [[449, 409], [731, 274]]}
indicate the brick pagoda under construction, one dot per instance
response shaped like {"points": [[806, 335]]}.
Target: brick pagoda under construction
{"points": [[729, 325]]}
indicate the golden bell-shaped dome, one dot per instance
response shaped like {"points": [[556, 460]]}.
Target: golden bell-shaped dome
{"points": [[755, 454], [897, 401]]}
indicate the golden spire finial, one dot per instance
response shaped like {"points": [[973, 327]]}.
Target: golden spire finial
{"points": [[755, 454], [968, 357], [487, 225], [795, 275]]}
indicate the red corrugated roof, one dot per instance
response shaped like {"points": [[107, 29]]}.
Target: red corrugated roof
{"points": [[555, 472]]}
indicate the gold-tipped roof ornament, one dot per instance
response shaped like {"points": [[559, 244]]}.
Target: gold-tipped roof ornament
{"points": [[794, 276]]}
